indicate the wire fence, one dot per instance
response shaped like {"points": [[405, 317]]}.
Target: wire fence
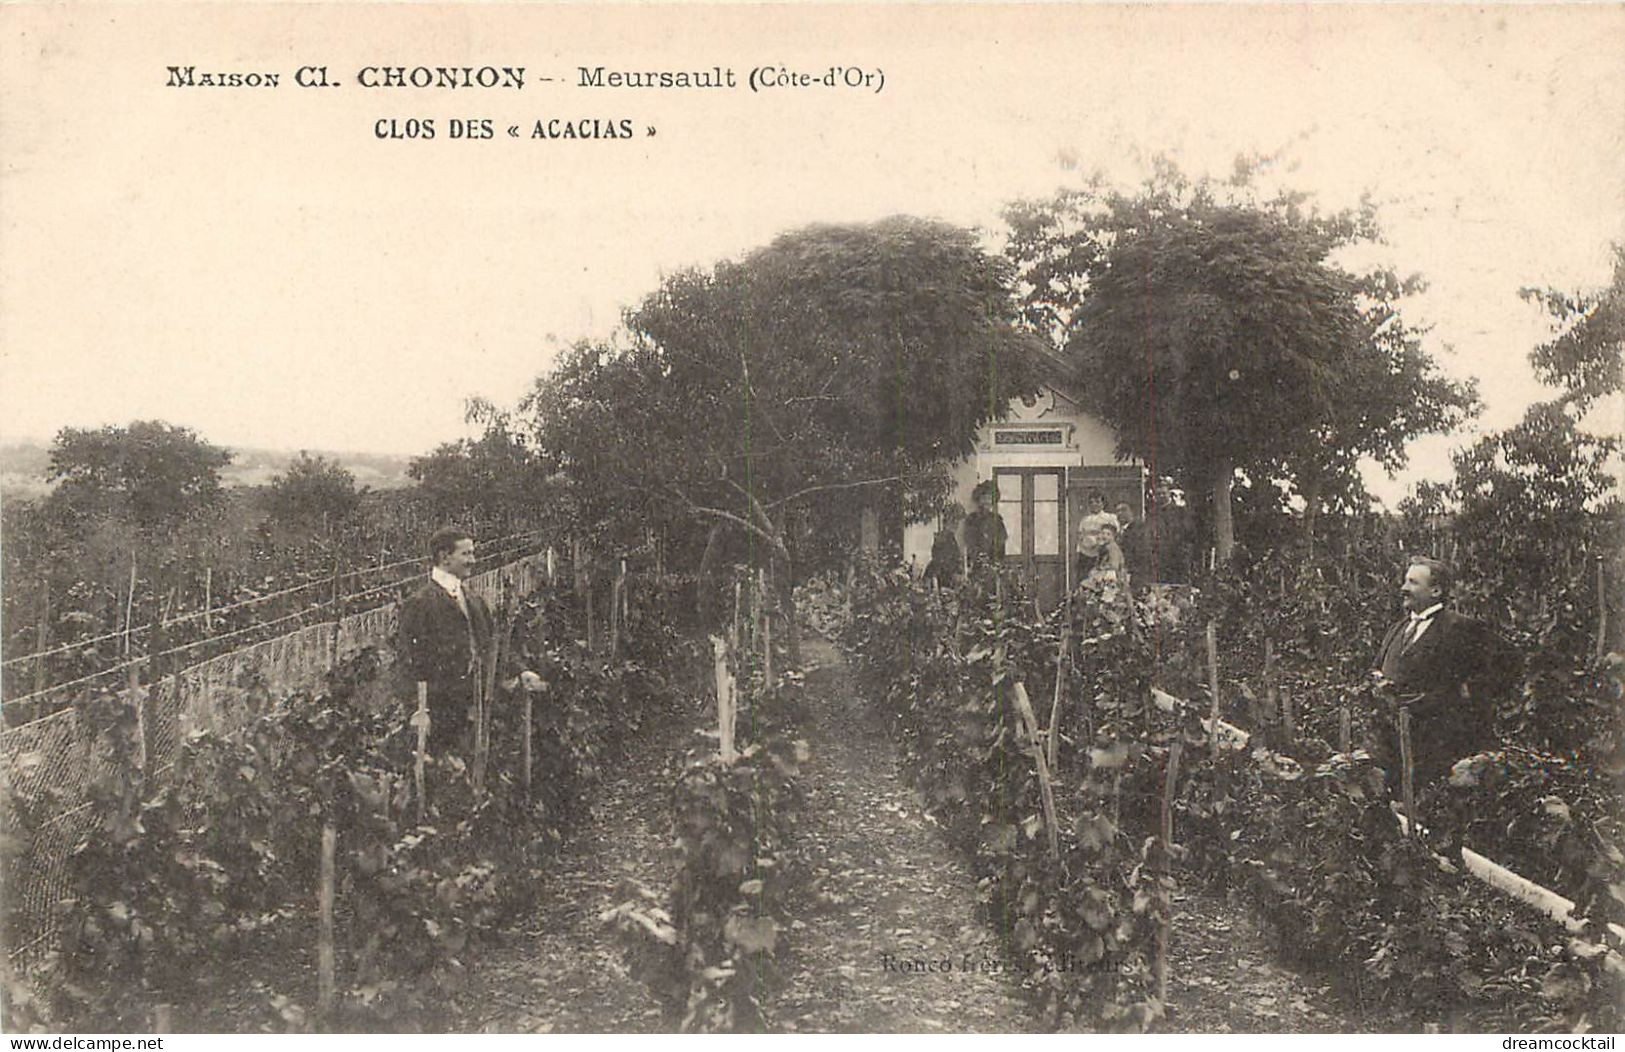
{"points": [[49, 764], [166, 644]]}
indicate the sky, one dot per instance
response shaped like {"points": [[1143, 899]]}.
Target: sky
{"points": [[259, 265]]}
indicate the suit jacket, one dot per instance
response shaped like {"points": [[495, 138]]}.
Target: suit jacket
{"points": [[1432, 670], [1136, 545], [435, 641], [984, 537]]}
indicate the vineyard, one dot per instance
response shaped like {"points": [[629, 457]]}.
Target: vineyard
{"points": [[1069, 764], [733, 764]]}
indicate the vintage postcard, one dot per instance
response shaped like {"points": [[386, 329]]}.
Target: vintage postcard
{"points": [[811, 518]]}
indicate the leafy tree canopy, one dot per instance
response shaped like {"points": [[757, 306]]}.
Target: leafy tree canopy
{"points": [[1215, 330], [1585, 357], [779, 388], [314, 494], [149, 472], [496, 475]]}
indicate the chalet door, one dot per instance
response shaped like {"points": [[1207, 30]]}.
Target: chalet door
{"points": [[1033, 506]]}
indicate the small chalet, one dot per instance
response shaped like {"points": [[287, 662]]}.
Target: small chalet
{"points": [[1046, 456]]}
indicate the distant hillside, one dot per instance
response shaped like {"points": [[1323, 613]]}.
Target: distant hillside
{"points": [[23, 465]]}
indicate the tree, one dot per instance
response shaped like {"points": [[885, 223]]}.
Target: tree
{"points": [[1585, 357], [1528, 498], [770, 397], [1538, 501], [150, 473], [1216, 334], [314, 496], [496, 476]]}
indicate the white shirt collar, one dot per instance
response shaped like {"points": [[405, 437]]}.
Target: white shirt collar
{"points": [[450, 582], [1427, 615]]}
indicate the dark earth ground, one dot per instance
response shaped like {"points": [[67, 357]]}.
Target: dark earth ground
{"points": [[880, 880]]}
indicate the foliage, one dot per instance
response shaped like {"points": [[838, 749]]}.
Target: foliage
{"points": [[1083, 920], [1534, 500], [711, 952], [715, 949], [218, 857], [233, 559], [314, 495], [496, 477], [1584, 358], [835, 362], [1320, 854], [1215, 331], [1307, 833], [150, 472]]}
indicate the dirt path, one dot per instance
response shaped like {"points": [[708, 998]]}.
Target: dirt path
{"points": [[884, 891], [1223, 978], [566, 975], [886, 883]]}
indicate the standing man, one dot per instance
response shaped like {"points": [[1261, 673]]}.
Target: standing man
{"points": [[947, 563], [444, 634], [985, 534], [1136, 546], [1424, 665]]}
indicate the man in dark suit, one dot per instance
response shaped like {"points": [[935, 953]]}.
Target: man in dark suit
{"points": [[1425, 664], [444, 634], [1132, 539]]}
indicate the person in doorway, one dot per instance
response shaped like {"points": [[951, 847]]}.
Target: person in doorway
{"points": [[1168, 538], [445, 631], [1099, 558], [1095, 514], [985, 534], [947, 563], [1133, 541]]}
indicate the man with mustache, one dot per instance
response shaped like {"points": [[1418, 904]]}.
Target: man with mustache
{"points": [[1424, 665]]}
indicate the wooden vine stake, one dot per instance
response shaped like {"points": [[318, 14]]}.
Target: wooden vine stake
{"points": [[625, 608], [526, 747], [42, 635], [1602, 609], [1165, 930], [725, 700], [129, 606], [1213, 687], [1271, 694], [422, 721], [615, 611], [767, 649], [592, 626], [735, 637], [336, 601], [1289, 721], [1408, 782], [143, 727], [1345, 732], [1046, 788], [1053, 744], [324, 937], [758, 605], [490, 661]]}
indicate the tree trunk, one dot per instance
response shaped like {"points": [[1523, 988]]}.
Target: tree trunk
{"points": [[1224, 530]]}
